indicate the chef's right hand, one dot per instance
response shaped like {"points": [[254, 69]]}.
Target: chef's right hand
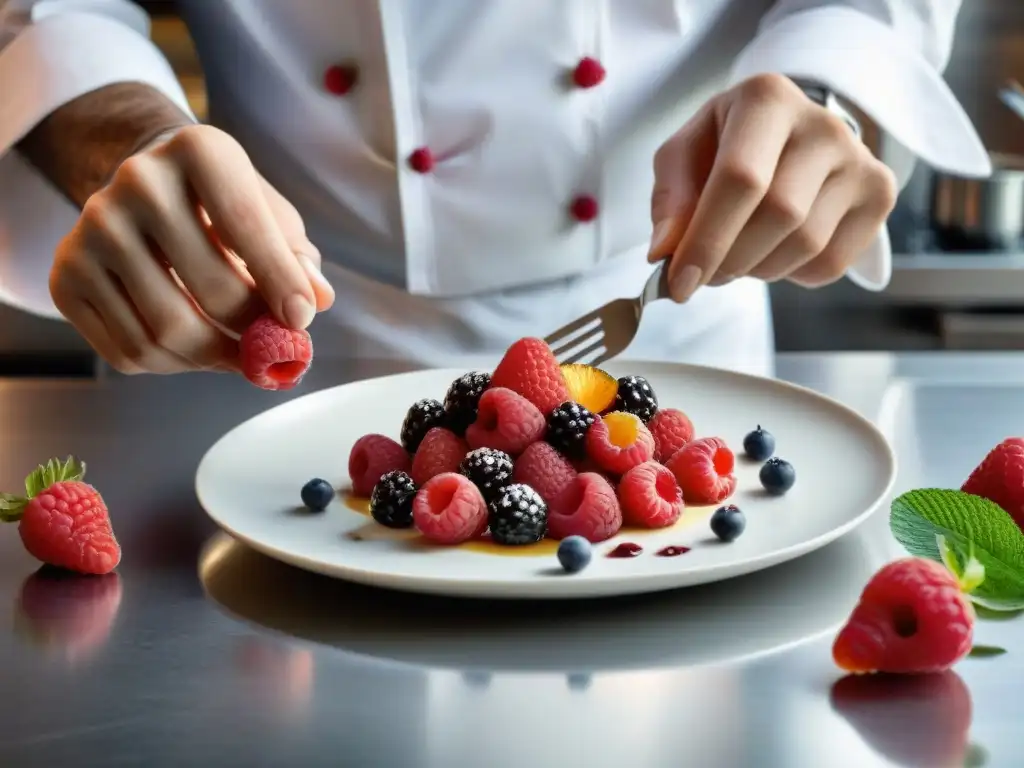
{"points": [[184, 247]]}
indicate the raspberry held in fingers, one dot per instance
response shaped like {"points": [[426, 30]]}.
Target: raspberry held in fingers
{"points": [[274, 357]]}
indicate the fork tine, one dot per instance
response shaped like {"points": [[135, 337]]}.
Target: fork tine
{"points": [[574, 343], [570, 328], [584, 354]]}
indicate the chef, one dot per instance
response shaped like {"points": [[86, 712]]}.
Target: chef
{"points": [[440, 178]]}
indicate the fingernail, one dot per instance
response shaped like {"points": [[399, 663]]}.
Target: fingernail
{"points": [[298, 312], [686, 282], [719, 280], [314, 274], [657, 249]]}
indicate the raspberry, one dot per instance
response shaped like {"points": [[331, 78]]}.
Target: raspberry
{"points": [[505, 421], [440, 451], [618, 442], [1000, 478], [650, 496], [912, 618], [671, 429], [449, 509], [703, 469], [63, 521], [587, 508], [372, 457], [545, 470], [529, 369], [274, 357]]}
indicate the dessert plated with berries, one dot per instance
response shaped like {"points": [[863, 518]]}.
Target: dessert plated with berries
{"points": [[531, 479]]}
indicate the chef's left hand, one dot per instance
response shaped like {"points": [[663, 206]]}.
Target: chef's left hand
{"points": [[766, 183]]}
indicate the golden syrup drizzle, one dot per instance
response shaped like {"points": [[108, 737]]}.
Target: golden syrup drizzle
{"points": [[373, 532]]}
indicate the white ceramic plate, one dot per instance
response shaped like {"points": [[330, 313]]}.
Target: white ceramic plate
{"points": [[249, 483]]}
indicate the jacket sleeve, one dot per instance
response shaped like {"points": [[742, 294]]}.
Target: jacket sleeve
{"points": [[887, 57], [51, 52]]}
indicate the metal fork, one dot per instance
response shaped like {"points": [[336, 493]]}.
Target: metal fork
{"points": [[602, 334]]}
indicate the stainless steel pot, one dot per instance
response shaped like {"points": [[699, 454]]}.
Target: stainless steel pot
{"points": [[981, 213]]}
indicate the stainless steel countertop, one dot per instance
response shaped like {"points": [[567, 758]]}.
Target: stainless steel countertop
{"points": [[201, 652]]}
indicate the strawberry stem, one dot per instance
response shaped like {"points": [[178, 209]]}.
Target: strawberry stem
{"points": [[42, 477]]}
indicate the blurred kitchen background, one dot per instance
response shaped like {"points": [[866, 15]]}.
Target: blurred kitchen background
{"points": [[949, 291]]}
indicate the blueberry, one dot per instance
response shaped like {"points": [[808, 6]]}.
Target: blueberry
{"points": [[777, 476], [759, 444], [728, 522], [574, 553], [317, 494]]}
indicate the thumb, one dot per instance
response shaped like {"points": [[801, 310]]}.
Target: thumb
{"points": [[681, 167], [309, 258]]}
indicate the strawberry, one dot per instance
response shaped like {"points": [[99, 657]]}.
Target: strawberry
{"points": [[63, 521], [1000, 478], [531, 370]]}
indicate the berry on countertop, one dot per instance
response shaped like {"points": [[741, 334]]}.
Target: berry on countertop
{"points": [[703, 469], [422, 417], [619, 441], [567, 429], [531, 370], [62, 520], [574, 553], [728, 522], [587, 508], [518, 515], [912, 617], [449, 509], [650, 496], [777, 476], [1000, 478], [272, 356], [591, 387], [460, 403], [671, 430], [391, 500], [317, 494], [372, 457], [759, 445], [440, 451], [488, 469], [636, 396], [506, 421], [545, 470]]}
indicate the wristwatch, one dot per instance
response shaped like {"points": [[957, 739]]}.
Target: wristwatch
{"points": [[823, 96]]}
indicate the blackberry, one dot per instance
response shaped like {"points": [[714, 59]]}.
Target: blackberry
{"points": [[518, 516], [567, 431], [463, 398], [391, 500], [488, 469], [636, 396], [421, 418]]}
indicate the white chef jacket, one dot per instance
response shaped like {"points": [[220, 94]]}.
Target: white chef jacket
{"points": [[535, 205]]}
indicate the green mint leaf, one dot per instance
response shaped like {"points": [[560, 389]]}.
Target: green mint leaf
{"points": [[986, 651], [35, 482], [968, 526]]}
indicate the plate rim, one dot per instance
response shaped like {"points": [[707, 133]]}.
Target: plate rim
{"points": [[596, 587]]}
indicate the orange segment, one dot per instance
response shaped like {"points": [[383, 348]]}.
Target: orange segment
{"points": [[623, 428], [591, 387]]}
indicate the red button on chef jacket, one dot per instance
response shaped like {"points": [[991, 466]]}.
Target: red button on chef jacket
{"points": [[339, 79], [588, 73], [584, 208], [422, 160]]}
